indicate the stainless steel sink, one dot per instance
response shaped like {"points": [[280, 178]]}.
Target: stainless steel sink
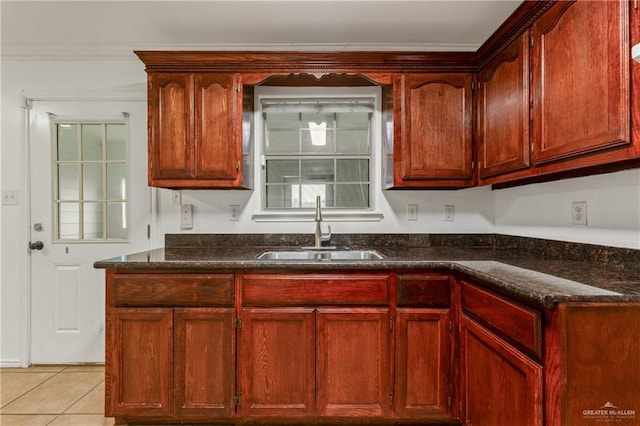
{"points": [[320, 255]]}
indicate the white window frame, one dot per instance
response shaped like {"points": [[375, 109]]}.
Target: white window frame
{"points": [[375, 167], [105, 201]]}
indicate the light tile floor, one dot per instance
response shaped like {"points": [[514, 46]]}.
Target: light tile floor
{"points": [[53, 395]]}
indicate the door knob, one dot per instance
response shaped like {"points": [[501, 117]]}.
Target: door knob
{"points": [[38, 245]]}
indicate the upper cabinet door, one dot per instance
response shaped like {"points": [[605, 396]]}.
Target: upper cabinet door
{"points": [[194, 136], [580, 71], [170, 126], [215, 127], [434, 148], [503, 111]]}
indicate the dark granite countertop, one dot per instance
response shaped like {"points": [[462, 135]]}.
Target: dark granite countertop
{"points": [[529, 277]]}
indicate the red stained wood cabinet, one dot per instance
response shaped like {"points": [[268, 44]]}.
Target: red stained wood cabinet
{"points": [[401, 347], [301, 356], [580, 79], [170, 362], [353, 365], [423, 373], [555, 97], [195, 130], [140, 361], [509, 383], [433, 131], [276, 371], [503, 112], [500, 359]]}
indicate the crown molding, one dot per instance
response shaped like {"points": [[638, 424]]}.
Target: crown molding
{"points": [[125, 52]]}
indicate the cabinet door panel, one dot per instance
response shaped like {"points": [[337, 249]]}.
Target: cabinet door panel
{"points": [[170, 117], [422, 362], [500, 385], [204, 362], [215, 138], [581, 79], [503, 111], [353, 362], [142, 362], [436, 142], [276, 363]]}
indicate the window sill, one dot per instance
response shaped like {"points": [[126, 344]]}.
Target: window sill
{"points": [[328, 216]]}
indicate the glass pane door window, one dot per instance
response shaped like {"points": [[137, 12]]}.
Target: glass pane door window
{"points": [[90, 196], [317, 147]]}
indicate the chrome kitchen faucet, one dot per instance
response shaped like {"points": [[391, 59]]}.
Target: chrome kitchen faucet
{"points": [[320, 237]]}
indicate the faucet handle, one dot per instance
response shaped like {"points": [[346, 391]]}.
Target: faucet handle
{"points": [[327, 236]]}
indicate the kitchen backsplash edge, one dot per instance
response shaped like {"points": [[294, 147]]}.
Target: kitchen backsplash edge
{"points": [[608, 257]]}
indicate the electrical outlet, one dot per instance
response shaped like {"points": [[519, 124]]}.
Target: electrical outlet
{"points": [[412, 212], [449, 213], [235, 212], [579, 213], [186, 216], [9, 198]]}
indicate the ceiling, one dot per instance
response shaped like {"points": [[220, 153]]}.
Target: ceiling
{"points": [[113, 29]]}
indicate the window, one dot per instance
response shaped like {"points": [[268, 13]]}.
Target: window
{"points": [[317, 146], [90, 181]]}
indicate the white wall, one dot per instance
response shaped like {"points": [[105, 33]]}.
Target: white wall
{"points": [[541, 210], [544, 210]]}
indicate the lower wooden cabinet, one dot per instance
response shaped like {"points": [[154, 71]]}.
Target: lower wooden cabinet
{"points": [[354, 371], [423, 376], [500, 385], [140, 362], [166, 362], [314, 362], [204, 362], [276, 368]]}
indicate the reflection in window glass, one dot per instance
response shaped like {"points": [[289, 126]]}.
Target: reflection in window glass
{"points": [[116, 181], [68, 182], [317, 147], [91, 181], [92, 221], [92, 139], [116, 142], [67, 142], [68, 221]]}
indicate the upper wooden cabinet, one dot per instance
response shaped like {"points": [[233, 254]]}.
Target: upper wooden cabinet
{"points": [[580, 78], [195, 130], [433, 131], [503, 112]]}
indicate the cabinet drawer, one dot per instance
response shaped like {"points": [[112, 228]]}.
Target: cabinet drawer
{"points": [[423, 290], [314, 289], [517, 323], [172, 290]]}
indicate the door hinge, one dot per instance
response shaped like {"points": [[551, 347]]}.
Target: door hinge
{"points": [[238, 399], [449, 401], [450, 325], [238, 166], [391, 323], [391, 399], [531, 41], [238, 323], [473, 85], [148, 232]]}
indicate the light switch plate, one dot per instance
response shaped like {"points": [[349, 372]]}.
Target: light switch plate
{"points": [[186, 216], [449, 213], [9, 198]]}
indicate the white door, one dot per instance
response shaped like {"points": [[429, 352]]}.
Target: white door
{"points": [[89, 201]]}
